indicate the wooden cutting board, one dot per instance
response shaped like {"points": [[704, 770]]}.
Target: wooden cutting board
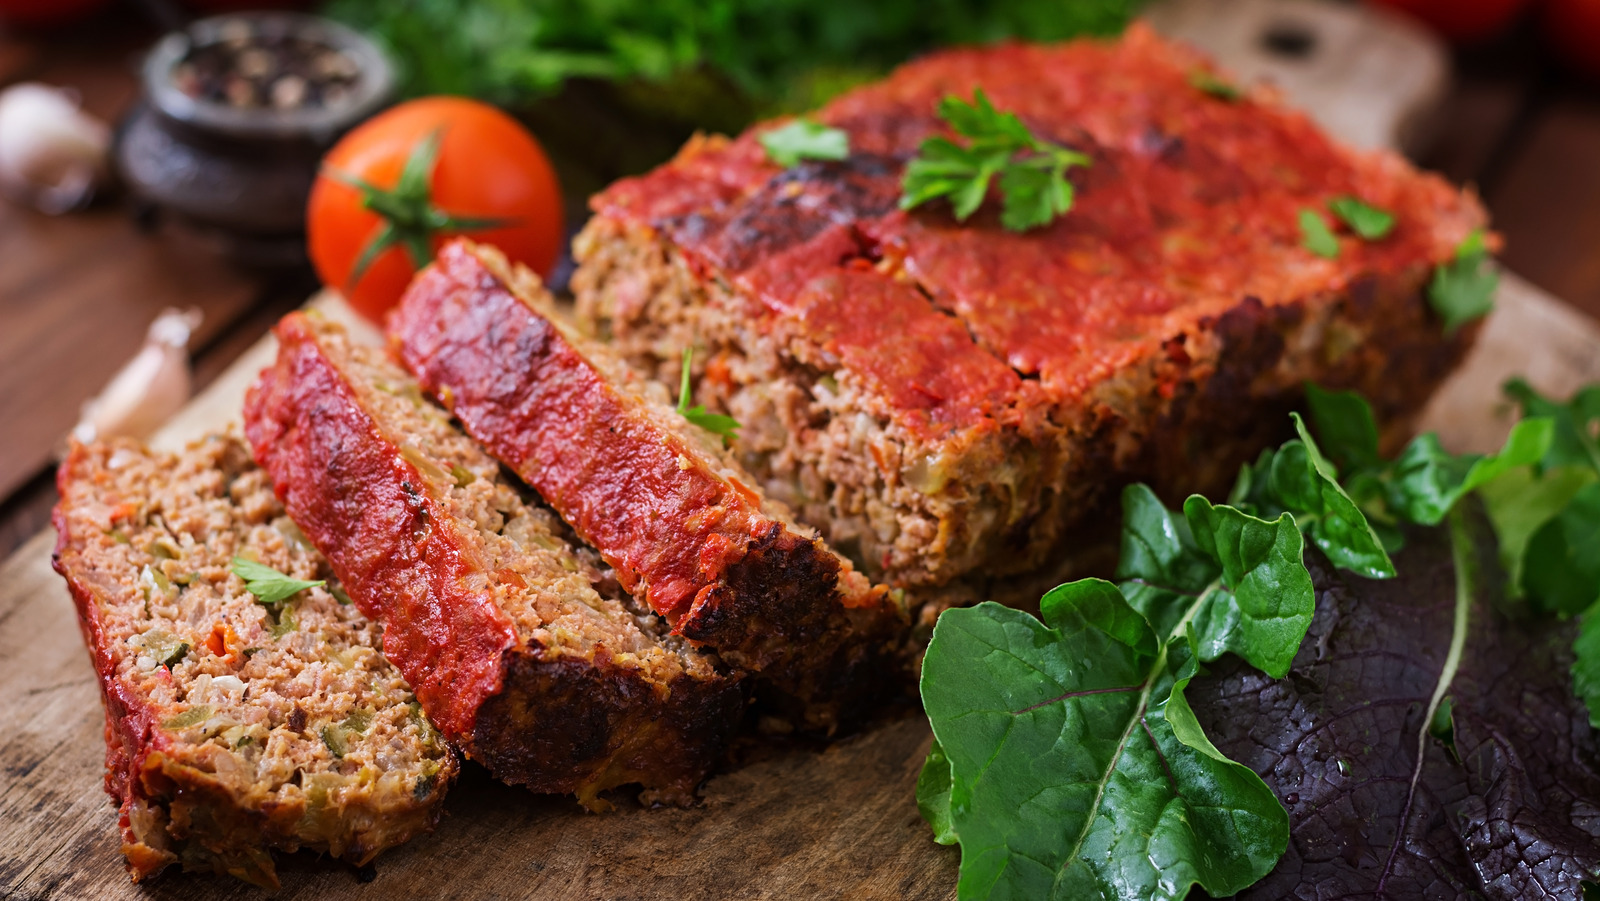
{"points": [[803, 823]]}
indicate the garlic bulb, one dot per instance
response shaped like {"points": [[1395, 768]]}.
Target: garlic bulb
{"points": [[52, 154], [150, 388]]}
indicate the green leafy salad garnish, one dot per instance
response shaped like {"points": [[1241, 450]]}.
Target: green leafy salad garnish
{"points": [[715, 423], [1067, 762], [1541, 492], [804, 139], [1547, 516], [1463, 289], [1032, 172], [268, 585]]}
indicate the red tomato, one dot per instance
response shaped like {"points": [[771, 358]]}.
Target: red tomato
{"points": [[1462, 21], [47, 12], [487, 168], [1573, 26]]}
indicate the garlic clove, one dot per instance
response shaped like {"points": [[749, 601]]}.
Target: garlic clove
{"points": [[149, 388], [52, 154]]}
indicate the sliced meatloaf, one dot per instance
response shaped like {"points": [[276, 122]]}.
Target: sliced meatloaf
{"points": [[685, 528], [952, 399], [495, 617], [233, 728]]}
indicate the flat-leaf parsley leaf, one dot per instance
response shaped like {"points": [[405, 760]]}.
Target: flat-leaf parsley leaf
{"points": [[268, 585], [1032, 172], [1369, 222], [1206, 83], [804, 139], [1463, 289], [716, 423], [1318, 238]]}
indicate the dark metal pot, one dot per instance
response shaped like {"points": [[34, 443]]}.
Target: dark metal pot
{"points": [[242, 174]]}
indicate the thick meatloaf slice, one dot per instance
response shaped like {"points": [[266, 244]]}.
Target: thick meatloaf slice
{"points": [[682, 524], [233, 728], [949, 399], [491, 613]]}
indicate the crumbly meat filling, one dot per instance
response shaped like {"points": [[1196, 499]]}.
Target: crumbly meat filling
{"points": [[549, 588], [285, 703]]}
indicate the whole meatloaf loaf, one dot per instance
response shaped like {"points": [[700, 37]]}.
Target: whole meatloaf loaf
{"points": [[519, 646], [944, 397], [233, 727], [685, 528]]}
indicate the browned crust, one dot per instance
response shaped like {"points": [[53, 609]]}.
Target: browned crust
{"points": [[1183, 420], [674, 518], [533, 714]]}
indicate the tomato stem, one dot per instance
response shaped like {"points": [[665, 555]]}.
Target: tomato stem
{"points": [[410, 220]]}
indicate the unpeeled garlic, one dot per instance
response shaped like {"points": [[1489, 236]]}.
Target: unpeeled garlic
{"points": [[52, 154], [150, 388]]}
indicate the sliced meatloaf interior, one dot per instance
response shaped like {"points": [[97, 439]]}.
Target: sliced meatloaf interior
{"points": [[685, 527], [948, 400], [233, 727], [496, 618]]}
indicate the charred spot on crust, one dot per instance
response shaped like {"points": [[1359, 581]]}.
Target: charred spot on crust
{"points": [[585, 727], [783, 590], [795, 206]]}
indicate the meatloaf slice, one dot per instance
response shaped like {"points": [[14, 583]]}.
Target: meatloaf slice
{"points": [[684, 526], [493, 615], [947, 400], [233, 728]]}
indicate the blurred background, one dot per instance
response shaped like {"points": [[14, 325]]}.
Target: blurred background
{"points": [[157, 154]]}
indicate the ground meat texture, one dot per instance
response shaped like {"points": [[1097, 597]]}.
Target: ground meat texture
{"points": [[489, 612], [233, 728], [951, 401], [684, 527]]}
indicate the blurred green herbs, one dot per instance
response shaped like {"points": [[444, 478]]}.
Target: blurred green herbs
{"points": [[782, 55]]}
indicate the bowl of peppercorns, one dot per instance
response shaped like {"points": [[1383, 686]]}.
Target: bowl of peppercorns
{"points": [[236, 112]]}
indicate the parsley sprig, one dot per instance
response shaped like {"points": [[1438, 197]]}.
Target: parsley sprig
{"points": [[268, 585], [804, 139], [1367, 221], [1032, 172], [1207, 83], [715, 423], [1317, 237], [1463, 289]]}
